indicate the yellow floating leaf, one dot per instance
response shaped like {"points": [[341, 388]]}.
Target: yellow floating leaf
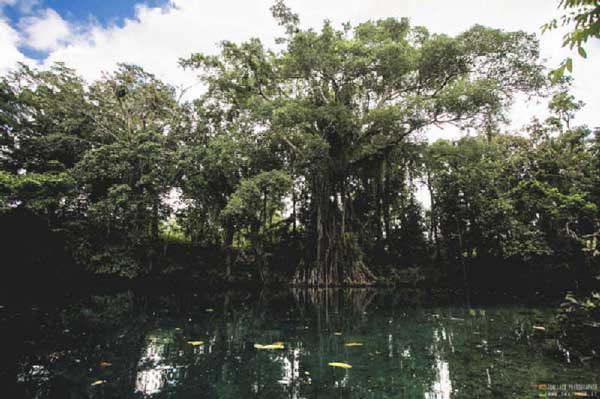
{"points": [[177, 329], [105, 364], [350, 344], [539, 328], [209, 310], [337, 333], [339, 364], [196, 343], [276, 345], [99, 382]]}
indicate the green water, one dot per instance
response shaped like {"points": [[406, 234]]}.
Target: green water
{"points": [[126, 345]]}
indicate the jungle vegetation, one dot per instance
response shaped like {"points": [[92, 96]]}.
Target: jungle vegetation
{"points": [[307, 163]]}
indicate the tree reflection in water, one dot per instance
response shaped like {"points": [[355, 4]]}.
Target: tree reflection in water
{"points": [[441, 388], [139, 345], [153, 373]]}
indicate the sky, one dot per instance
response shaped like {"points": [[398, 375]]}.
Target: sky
{"points": [[92, 36]]}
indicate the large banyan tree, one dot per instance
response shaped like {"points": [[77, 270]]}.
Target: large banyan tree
{"points": [[340, 101]]}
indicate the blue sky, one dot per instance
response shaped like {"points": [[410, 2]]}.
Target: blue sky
{"points": [[106, 12], [77, 12]]}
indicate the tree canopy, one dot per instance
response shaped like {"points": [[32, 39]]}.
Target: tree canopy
{"points": [[308, 162], [339, 102]]}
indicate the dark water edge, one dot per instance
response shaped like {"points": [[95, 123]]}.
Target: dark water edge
{"points": [[426, 343], [508, 284]]}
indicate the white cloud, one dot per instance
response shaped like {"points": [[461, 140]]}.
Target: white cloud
{"points": [[9, 40], [157, 37], [45, 31], [24, 6]]}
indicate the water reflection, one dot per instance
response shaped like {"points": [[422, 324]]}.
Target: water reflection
{"points": [[405, 350], [153, 372], [442, 385], [290, 365]]}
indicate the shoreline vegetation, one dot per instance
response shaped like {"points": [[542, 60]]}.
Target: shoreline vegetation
{"points": [[307, 165]]}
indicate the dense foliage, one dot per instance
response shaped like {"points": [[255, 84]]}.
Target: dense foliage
{"points": [[306, 164]]}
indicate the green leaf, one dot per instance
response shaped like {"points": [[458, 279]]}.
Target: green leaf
{"points": [[569, 65], [582, 52], [557, 74]]}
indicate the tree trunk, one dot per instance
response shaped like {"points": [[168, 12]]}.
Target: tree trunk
{"points": [[228, 244], [155, 220], [294, 216], [379, 181], [386, 214], [461, 256], [433, 221], [338, 259]]}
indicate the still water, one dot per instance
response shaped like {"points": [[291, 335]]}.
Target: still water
{"points": [[389, 344]]}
